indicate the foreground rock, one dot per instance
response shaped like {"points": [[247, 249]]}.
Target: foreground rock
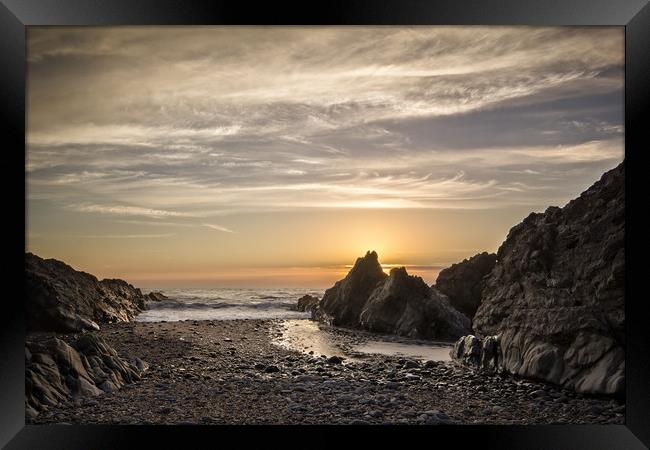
{"points": [[61, 299], [56, 372], [555, 297], [463, 282], [307, 303], [397, 304], [404, 305]]}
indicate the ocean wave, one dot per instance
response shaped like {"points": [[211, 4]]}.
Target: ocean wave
{"points": [[172, 304]]}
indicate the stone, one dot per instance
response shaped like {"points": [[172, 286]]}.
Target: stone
{"points": [[156, 297], [410, 364], [271, 369], [307, 303], [463, 282]]}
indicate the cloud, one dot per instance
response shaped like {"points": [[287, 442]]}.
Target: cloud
{"points": [[127, 211], [191, 123], [126, 236], [218, 228]]}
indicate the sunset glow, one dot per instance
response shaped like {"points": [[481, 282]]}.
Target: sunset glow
{"points": [[275, 156]]}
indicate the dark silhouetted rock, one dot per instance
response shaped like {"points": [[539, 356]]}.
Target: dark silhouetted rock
{"points": [[156, 296], [57, 371], [62, 299], [307, 303], [397, 304], [342, 304], [555, 297], [463, 283], [406, 306]]}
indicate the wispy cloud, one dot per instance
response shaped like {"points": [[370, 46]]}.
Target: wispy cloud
{"points": [[126, 236], [218, 228], [127, 211], [191, 124]]}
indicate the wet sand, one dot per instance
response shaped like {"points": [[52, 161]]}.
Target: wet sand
{"points": [[236, 372]]}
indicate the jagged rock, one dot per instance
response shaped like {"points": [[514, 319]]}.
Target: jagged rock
{"points": [[342, 304], [62, 299], [404, 305], [156, 296], [58, 371], [307, 303], [478, 353], [463, 283], [555, 297], [397, 304]]}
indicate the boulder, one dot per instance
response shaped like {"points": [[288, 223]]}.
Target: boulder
{"points": [[555, 297], [342, 304], [404, 305], [307, 303], [59, 371], [463, 282], [478, 353], [156, 296], [61, 299]]}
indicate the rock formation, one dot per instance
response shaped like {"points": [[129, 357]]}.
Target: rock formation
{"points": [[555, 298], [463, 282], [156, 297], [396, 304], [404, 305], [61, 299], [342, 304], [57, 372], [307, 303]]}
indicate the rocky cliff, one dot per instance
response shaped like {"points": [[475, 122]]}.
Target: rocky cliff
{"points": [[62, 299], [463, 282], [554, 302], [397, 304]]}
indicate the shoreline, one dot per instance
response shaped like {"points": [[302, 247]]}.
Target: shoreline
{"points": [[232, 372]]}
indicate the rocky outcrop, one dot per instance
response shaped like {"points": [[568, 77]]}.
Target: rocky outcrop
{"points": [[397, 304], [156, 297], [555, 297], [307, 303], [342, 304], [479, 353], [57, 372], [404, 305], [61, 299], [463, 282]]}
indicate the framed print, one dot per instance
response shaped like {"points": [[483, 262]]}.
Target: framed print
{"points": [[413, 217]]}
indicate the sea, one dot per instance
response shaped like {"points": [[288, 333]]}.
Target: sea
{"points": [[226, 304], [298, 332]]}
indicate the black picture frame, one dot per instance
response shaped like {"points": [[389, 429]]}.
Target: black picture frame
{"points": [[634, 15]]}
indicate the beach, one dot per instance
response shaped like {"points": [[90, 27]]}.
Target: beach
{"points": [[248, 372]]}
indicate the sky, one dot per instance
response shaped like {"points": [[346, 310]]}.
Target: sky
{"points": [[275, 156]]}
